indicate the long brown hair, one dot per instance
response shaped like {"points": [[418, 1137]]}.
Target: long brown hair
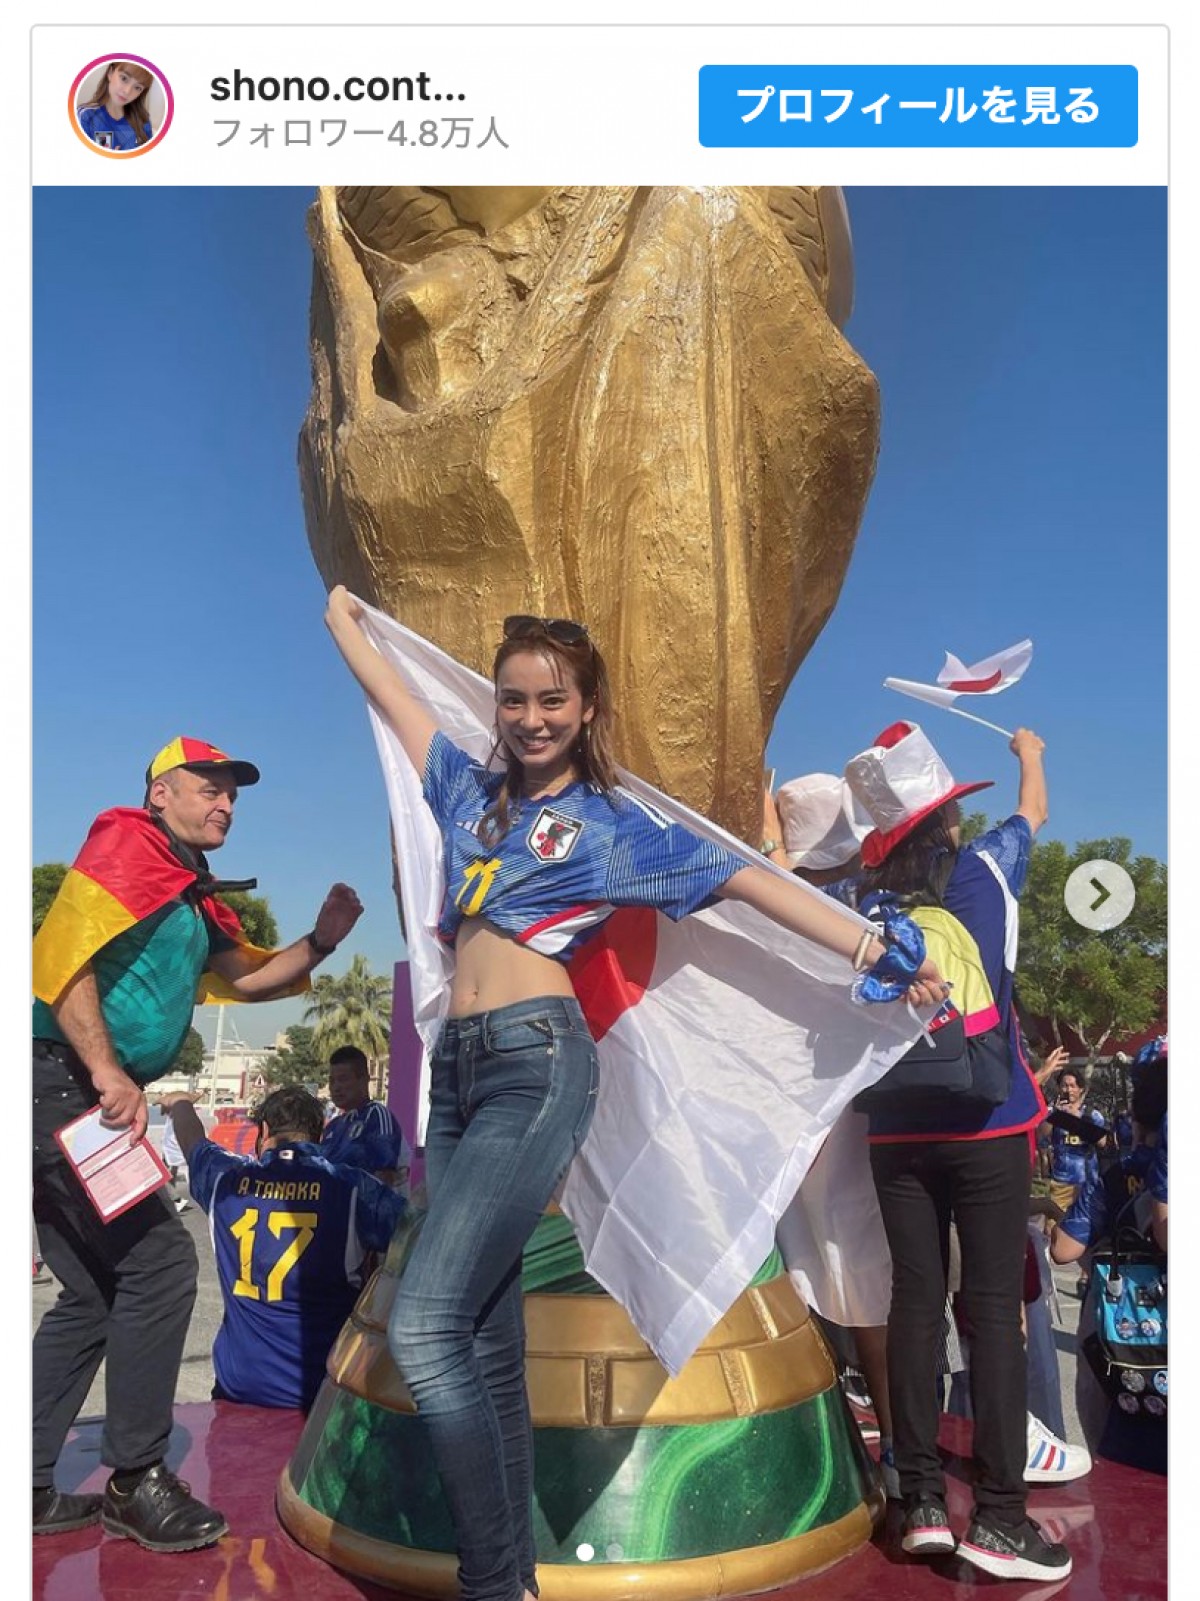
{"points": [[137, 112], [593, 753], [919, 867]]}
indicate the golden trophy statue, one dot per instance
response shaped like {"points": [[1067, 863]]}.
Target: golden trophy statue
{"points": [[631, 407]]}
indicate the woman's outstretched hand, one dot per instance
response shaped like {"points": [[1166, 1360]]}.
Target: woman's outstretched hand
{"points": [[408, 719], [341, 607]]}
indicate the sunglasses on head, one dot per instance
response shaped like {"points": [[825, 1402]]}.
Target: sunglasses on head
{"points": [[560, 628]]}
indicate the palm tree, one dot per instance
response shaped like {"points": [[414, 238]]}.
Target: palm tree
{"points": [[355, 1009]]}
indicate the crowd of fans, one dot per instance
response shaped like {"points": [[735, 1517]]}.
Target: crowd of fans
{"points": [[985, 1169]]}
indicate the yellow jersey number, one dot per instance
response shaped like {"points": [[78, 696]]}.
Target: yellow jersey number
{"points": [[244, 1230], [485, 872]]}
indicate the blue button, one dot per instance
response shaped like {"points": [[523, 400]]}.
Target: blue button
{"points": [[952, 107]]}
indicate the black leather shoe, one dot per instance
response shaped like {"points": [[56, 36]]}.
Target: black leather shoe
{"points": [[161, 1513], [55, 1512]]}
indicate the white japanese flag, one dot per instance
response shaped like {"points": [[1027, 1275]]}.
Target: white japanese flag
{"points": [[986, 677], [728, 1048]]}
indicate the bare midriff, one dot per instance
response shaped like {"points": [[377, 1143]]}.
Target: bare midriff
{"points": [[493, 970]]}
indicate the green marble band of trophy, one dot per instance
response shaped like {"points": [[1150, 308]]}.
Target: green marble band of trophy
{"points": [[742, 1474]]}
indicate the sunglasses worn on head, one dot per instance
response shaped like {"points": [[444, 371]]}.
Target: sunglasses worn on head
{"points": [[560, 628]]}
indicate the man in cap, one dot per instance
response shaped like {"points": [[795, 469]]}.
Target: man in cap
{"points": [[136, 935]]}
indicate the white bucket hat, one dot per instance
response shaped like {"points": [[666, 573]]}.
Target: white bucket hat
{"points": [[823, 825], [899, 781]]}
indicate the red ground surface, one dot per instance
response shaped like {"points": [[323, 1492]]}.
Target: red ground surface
{"points": [[1114, 1521]]}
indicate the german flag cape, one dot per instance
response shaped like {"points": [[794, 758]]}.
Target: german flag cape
{"points": [[125, 872]]}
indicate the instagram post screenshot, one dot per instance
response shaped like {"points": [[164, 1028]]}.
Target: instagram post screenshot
{"points": [[598, 809]]}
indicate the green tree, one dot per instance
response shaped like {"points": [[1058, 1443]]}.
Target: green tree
{"points": [[254, 911], [973, 824], [1101, 985], [353, 1009], [191, 1055], [296, 1063], [257, 919], [47, 877]]}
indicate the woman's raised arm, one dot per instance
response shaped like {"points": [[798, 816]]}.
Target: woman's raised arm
{"points": [[408, 720], [814, 916]]}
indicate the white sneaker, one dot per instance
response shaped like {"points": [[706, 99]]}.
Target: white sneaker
{"points": [[1051, 1460], [181, 1204]]}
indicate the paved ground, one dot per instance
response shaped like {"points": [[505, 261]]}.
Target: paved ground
{"points": [[196, 1376]]}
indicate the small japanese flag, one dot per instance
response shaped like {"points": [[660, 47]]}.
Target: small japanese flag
{"points": [[986, 677]]}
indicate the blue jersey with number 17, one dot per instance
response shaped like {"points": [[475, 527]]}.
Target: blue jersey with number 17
{"points": [[567, 862], [291, 1233]]}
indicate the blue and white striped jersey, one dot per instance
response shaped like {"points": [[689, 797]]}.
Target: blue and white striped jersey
{"points": [[566, 863], [1072, 1161], [368, 1137]]}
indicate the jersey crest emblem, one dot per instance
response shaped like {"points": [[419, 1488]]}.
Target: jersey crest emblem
{"points": [[552, 837]]}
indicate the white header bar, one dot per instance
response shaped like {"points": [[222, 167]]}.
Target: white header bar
{"points": [[544, 104]]}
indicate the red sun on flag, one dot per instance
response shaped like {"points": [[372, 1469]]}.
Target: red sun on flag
{"points": [[613, 970]]}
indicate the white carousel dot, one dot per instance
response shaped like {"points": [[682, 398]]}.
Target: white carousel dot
{"points": [[585, 1552], [614, 1552]]}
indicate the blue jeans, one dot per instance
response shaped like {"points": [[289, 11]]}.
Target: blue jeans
{"points": [[513, 1091]]}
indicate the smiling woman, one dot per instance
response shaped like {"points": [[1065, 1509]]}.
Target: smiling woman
{"points": [[537, 857], [114, 111]]}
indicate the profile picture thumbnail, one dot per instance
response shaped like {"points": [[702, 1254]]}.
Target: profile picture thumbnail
{"points": [[121, 105]]}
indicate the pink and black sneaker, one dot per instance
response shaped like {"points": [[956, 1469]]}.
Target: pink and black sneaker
{"points": [[1019, 1553], [927, 1529]]}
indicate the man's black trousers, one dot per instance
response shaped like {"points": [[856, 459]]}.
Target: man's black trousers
{"points": [[127, 1289]]}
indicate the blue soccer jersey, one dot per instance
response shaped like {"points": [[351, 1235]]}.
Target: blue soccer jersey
{"points": [[291, 1234], [1156, 1180], [369, 1138], [113, 133], [566, 863], [1090, 1216], [1072, 1159]]}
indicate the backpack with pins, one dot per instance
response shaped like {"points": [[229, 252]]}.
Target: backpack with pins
{"points": [[1128, 1288], [964, 1061]]}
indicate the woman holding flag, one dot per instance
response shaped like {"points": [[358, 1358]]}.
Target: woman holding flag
{"points": [[537, 856], [938, 1154]]}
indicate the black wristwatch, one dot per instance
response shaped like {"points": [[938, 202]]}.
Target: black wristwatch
{"points": [[321, 950]]}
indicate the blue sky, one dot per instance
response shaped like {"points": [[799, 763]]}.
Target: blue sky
{"points": [[1019, 336]]}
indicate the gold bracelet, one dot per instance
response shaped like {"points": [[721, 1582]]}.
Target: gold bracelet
{"points": [[861, 959]]}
